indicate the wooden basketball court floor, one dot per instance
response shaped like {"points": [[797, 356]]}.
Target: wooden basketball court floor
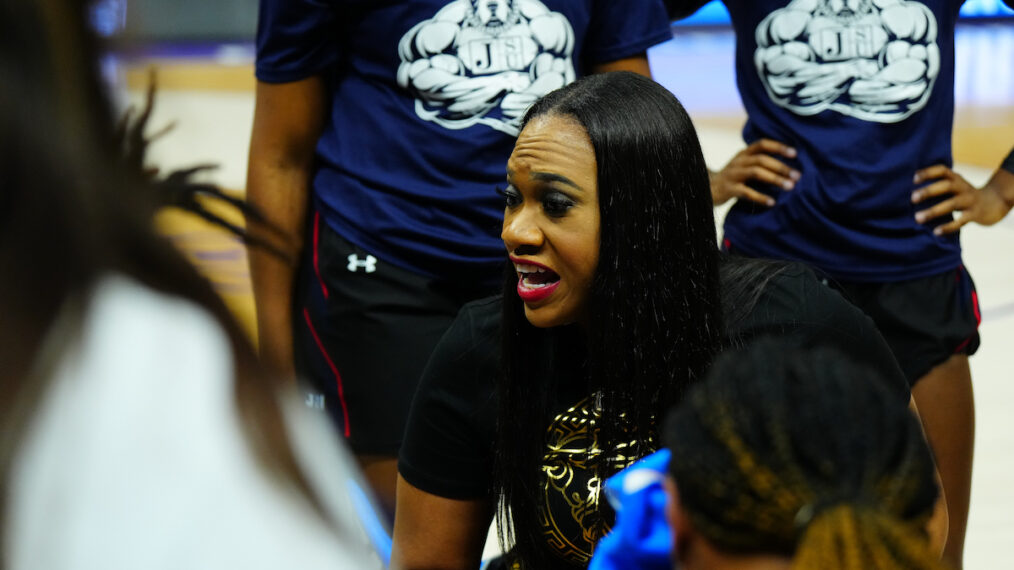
{"points": [[210, 98]]}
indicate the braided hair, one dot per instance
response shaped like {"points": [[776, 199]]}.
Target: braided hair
{"points": [[802, 453]]}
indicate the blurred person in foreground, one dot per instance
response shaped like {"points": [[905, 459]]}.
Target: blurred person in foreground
{"points": [[138, 431]]}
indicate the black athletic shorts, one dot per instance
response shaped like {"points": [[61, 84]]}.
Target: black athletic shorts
{"points": [[925, 321], [363, 332]]}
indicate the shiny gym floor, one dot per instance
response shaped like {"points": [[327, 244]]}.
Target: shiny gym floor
{"points": [[207, 91]]}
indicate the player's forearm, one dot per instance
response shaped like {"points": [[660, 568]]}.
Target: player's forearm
{"points": [[287, 123], [288, 119], [282, 196], [278, 186], [281, 193]]}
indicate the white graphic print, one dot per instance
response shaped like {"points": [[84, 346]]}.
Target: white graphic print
{"points": [[876, 60], [485, 62]]}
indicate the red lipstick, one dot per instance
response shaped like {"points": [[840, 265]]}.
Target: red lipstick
{"points": [[537, 283]]}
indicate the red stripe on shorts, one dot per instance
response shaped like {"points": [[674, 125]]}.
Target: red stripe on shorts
{"points": [[961, 347], [334, 369], [316, 252], [975, 307]]}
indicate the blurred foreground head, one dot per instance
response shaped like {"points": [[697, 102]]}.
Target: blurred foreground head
{"points": [[69, 207], [73, 209], [799, 455]]}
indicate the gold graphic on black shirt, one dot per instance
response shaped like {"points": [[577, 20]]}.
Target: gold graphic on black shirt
{"points": [[572, 516]]}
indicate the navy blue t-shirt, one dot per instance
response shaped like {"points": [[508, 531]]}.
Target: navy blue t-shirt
{"points": [[864, 90], [427, 98]]}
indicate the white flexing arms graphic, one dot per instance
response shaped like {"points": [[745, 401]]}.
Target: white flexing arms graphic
{"points": [[485, 62], [875, 60]]}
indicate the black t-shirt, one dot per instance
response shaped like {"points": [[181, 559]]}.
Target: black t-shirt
{"points": [[447, 449], [448, 445]]}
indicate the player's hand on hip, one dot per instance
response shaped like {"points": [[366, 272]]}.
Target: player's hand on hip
{"points": [[757, 162], [985, 206]]}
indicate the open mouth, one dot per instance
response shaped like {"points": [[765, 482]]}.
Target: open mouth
{"points": [[535, 276]]}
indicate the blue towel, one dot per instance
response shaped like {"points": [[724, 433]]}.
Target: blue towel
{"points": [[641, 539]]}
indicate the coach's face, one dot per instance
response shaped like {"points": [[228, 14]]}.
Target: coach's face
{"points": [[551, 219]]}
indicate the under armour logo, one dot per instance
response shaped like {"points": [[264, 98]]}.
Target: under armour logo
{"points": [[369, 264]]}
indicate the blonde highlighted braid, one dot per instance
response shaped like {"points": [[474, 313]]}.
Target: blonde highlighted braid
{"points": [[805, 454]]}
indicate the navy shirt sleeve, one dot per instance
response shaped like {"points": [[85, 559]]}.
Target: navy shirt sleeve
{"points": [[447, 450], [296, 39], [619, 30]]}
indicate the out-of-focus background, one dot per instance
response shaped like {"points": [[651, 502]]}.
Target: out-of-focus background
{"points": [[203, 54]]}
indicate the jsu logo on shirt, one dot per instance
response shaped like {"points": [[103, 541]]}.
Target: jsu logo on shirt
{"points": [[876, 61], [493, 55], [484, 62], [837, 44], [367, 264]]}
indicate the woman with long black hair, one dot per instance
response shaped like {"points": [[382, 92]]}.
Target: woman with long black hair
{"points": [[137, 429], [633, 316], [609, 313]]}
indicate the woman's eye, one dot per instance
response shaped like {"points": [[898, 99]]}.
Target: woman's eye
{"points": [[556, 205], [511, 196]]}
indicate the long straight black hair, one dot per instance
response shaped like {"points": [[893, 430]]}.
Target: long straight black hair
{"points": [[654, 305], [71, 210]]}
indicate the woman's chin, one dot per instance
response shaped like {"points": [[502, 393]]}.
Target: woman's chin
{"points": [[546, 317]]}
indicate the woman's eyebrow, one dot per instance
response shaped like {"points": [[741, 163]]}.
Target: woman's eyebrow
{"points": [[551, 177]]}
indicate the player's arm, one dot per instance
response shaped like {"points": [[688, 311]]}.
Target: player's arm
{"points": [[986, 206], [288, 119], [637, 64], [437, 533]]}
